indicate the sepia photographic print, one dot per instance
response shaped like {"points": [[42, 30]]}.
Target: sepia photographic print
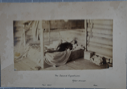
{"points": [[66, 44]]}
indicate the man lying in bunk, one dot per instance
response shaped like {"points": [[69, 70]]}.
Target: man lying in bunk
{"points": [[61, 53], [62, 46]]}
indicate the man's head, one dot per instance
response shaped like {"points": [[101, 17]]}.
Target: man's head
{"points": [[74, 41]]}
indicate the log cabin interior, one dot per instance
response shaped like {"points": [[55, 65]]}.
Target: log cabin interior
{"points": [[36, 42]]}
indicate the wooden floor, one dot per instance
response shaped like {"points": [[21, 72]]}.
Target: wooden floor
{"points": [[78, 64]]}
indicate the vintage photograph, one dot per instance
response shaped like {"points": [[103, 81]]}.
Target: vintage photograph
{"points": [[66, 44]]}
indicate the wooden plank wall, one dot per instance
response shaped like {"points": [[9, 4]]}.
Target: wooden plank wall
{"points": [[100, 37], [54, 36], [79, 34], [67, 35]]}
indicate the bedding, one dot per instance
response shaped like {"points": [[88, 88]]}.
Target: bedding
{"points": [[57, 58], [62, 57]]}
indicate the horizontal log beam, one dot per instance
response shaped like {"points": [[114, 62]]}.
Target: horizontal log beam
{"points": [[100, 40], [103, 22], [100, 35], [110, 27], [101, 31], [100, 45], [103, 51]]}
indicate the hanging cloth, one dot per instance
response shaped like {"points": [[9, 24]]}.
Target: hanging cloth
{"points": [[34, 30]]}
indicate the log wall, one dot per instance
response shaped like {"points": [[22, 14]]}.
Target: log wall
{"points": [[100, 37]]}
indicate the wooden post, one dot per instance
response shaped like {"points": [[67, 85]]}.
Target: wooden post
{"points": [[24, 40], [37, 29], [34, 26], [41, 43], [49, 31], [85, 24]]}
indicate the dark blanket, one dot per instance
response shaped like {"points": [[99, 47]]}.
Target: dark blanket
{"points": [[64, 46]]}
